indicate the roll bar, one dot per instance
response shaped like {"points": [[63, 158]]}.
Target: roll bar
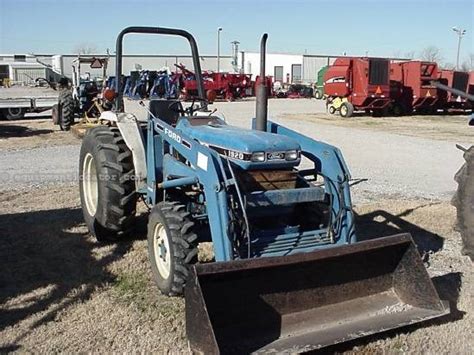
{"points": [[159, 31]]}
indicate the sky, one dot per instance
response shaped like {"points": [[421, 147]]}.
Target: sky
{"points": [[379, 27]]}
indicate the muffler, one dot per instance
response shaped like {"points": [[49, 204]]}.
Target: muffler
{"points": [[308, 301]]}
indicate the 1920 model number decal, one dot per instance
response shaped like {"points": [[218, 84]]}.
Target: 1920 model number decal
{"points": [[236, 155]]}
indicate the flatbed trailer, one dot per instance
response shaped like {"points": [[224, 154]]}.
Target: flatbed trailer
{"points": [[13, 108]]}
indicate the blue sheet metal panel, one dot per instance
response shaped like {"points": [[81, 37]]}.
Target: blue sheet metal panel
{"points": [[239, 139], [233, 141], [282, 197]]}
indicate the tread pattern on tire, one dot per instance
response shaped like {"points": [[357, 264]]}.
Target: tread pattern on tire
{"points": [[184, 242], [463, 200], [116, 211], [66, 106]]}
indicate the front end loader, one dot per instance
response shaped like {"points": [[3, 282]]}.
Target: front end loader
{"points": [[288, 273]]}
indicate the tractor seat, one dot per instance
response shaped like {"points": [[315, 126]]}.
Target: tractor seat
{"points": [[161, 109]]}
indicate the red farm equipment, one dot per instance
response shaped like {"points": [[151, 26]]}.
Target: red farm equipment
{"points": [[226, 86], [411, 88], [356, 84], [268, 85], [470, 87], [458, 80]]}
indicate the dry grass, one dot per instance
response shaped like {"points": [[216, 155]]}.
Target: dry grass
{"points": [[440, 127], [61, 291]]}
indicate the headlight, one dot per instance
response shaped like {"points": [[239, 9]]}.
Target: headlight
{"points": [[258, 157], [291, 155]]}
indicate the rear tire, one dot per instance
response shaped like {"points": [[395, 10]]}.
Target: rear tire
{"points": [[106, 184], [463, 200], [318, 94], [66, 110], [172, 246], [346, 110]]}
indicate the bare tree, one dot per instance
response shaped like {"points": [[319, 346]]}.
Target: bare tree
{"points": [[468, 64], [409, 55], [447, 65], [85, 48], [431, 54]]}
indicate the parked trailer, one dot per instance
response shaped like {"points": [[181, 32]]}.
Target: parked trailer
{"points": [[411, 88], [356, 84], [458, 80], [15, 108]]}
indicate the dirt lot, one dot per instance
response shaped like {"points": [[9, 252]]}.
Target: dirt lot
{"points": [[61, 291], [33, 133]]}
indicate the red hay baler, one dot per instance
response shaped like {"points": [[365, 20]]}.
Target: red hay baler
{"points": [[458, 80], [411, 88], [356, 84]]}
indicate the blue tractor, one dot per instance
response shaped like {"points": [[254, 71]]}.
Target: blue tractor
{"points": [[288, 273]]}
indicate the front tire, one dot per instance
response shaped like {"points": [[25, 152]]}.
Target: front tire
{"points": [[106, 185], [172, 246], [463, 200], [346, 109]]}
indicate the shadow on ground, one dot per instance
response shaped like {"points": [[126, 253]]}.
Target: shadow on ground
{"points": [[10, 131], [381, 223], [46, 266]]}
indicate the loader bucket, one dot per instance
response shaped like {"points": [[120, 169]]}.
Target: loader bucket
{"points": [[307, 301]]}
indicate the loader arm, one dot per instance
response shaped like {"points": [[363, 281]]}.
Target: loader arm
{"points": [[205, 167]]}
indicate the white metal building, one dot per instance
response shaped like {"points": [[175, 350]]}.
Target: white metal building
{"points": [[63, 63], [283, 67]]}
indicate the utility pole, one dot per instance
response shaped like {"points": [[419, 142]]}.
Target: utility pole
{"points": [[219, 30], [460, 32], [235, 55]]}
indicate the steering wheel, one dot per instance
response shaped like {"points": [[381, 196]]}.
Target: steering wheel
{"points": [[189, 110], [175, 106]]}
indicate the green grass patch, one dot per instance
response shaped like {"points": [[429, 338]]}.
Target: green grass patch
{"points": [[136, 290]]}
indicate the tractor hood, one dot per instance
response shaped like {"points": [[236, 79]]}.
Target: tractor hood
{"points": [[246, 147]]}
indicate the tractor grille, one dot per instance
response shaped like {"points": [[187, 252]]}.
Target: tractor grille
{"points": [[378, 72], [264, 180], [287, 244]]}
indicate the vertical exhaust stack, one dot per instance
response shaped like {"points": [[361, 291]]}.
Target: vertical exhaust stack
{"points": [[262, 90]]}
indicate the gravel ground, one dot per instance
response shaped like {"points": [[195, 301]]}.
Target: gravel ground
{"points": [[61, 291]]}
